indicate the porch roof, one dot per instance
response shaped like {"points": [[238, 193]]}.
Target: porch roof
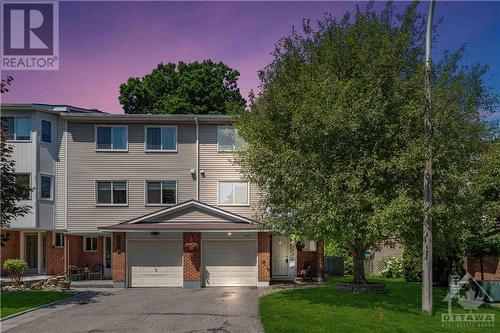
{"points": [[191, 215], [179, 227]]}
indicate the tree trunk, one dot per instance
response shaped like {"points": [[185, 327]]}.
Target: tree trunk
{"points": [[358, 267]]}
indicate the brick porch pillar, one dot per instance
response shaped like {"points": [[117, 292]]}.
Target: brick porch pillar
{"points": [[192, 259], [55, 256], [320, 260], [11, 250], [264, 258], [119, 263]]}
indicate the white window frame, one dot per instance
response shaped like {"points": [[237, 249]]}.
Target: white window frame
{"points": [[96, 202], [54, 243], [112, 143], [160, 150], [41, 131], [219, 149], [234, 204], [51, 187], [161, 191], [15, 128], [85, 244], [308, 245]]}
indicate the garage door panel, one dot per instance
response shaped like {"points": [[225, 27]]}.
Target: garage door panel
{"points": [[155, 263], [230, 263]]}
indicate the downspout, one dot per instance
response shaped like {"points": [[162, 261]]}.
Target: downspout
{"points": [[197, 159]]}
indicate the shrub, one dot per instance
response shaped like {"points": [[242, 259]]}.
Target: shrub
{"points": [[392, 268], [412, 267], [15, 268]]}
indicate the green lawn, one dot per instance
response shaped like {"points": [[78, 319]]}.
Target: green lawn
{"points": [[17, 301], [327, 310]]}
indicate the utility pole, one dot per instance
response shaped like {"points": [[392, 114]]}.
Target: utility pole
{"points": [[427, 225]]}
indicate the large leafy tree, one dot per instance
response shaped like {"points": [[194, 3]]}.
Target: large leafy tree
{"points": [[198, 87], [336, 141], [11, 192]]}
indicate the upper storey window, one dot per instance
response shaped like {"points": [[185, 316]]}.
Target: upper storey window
{"points": [[46, 131], [228, 139], [161, 138], [17, 128], [233, 193], [112, 138]]}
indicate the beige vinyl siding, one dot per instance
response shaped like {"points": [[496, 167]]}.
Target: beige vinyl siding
{"points": [[219, 166], [60, 174], [85, 166], [191, 214]]}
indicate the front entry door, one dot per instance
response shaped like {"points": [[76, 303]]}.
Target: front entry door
{"points": [[31, 252], [280, 253], [107, 257]]}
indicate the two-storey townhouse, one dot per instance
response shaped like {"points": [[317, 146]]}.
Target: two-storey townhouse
{"points": [[157, 201]]}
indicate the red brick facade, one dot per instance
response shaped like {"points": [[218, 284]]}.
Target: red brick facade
{"points": [[55, 256], [312, 258], [11, 248], [264, 256], [79, 257], [119, 261], [491, 268], [192, 256]]}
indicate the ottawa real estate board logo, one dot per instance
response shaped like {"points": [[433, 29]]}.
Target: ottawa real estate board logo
{"points": [[30, 35], [470, 295]]}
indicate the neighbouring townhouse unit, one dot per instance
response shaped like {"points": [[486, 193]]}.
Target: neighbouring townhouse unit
{"points": [[149, 200]]}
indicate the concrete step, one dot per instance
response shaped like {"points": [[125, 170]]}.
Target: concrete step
{"points": [[92, 284]]}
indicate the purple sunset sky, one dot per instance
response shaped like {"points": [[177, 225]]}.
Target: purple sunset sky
{"points": [[102, 44]]}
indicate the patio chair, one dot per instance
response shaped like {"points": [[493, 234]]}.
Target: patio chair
{"points": [[76, 273], [96, 271], [305, 273]]}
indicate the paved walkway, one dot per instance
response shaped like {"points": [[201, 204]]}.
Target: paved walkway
{"points": [[211, 310]]}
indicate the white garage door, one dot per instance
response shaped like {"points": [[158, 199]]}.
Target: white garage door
{"points": [[155, 263], [229, 263]]}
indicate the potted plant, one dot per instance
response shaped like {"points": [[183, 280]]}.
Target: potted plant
{"points": [[191, 246], [300, 245], [65, 284]]}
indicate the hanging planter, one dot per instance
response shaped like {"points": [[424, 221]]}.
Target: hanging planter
{"points": [[299, 245], [191, 246]]}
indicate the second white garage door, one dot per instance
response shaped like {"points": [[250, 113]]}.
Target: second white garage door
{"points": [[155, 263], [229, 263]]}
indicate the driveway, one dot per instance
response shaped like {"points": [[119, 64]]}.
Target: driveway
{"points": [[154, 310]]}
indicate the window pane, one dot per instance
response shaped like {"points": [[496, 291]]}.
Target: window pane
{"points": [[46, 131], [168, 138], [103, 137], [88, 244], [24, 182], [153, 138], [154, 192], [8, 125], [238, 140], [241, 193], [23, 128], [226, 138], [119, 192], [168, 193], [119, 138], [46, 187], [94, 243], [226, 193], [104, 192]]}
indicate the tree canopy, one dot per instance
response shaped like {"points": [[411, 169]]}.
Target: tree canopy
{"points": [[336, 141], [198, 87]]}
